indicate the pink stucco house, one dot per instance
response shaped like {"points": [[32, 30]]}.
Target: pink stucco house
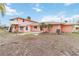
{"points": [[25, 25], [64, 27]]}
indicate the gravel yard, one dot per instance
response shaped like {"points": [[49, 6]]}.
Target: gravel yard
{"points": [[39, 45]]}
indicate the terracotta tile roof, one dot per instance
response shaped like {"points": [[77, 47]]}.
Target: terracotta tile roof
{"points": [[23, 19], [16, 18]]}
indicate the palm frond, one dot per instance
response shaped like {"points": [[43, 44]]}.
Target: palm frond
{"points": [[2, 8]]}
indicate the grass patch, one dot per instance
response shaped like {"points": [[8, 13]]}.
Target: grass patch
{"points": [[1, 30], [75, 32]]}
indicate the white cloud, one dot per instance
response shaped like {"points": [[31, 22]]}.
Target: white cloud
{"points": [[50, 18], [68, 4], [8, 3], [56, 19], [37, 8], [71, 19], [37, 5], [61, 13], [75, 16], [10, 11]]}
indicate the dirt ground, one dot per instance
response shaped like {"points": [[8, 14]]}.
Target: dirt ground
{"points": [[39, 45]]}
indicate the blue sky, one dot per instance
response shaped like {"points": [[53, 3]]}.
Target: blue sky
{"points": [[41, 12]]}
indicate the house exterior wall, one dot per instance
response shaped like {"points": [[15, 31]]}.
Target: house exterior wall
{"points": [[19, 20], [52, 29], [24, 29], [45, 29], [63, 28], [14, 28], [35, 29], [30, 28], [66, 28], [55, 27]]}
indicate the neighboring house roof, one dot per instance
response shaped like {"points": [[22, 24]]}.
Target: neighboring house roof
{"points": [[67, 24], [70, 23], [52, 22]]}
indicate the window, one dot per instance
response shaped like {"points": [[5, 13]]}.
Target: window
{"points": [[26, 28], [77, 28], [21, 27], [35, 26], [23, 20]]}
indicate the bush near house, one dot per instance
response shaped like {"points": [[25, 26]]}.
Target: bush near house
{"points": [[3, 28], [75, 32]]}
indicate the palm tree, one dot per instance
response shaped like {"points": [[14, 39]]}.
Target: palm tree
{"points": [[42, 26], [65, 21], [28, 18], [49, 27], [2, 9]]}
